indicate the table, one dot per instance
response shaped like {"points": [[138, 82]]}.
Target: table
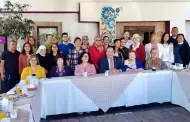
{"points": [[79, 94], [63, 95]]}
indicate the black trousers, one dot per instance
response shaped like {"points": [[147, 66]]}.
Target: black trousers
{"points": [[10, 81]]}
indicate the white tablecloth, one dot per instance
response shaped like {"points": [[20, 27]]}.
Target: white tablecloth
{"points": [[60, 95]]}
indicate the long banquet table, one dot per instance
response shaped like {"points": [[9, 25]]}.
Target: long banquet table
{"points": [[79, 94]]}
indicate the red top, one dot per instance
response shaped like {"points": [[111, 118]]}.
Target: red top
{"points": [[22, 62], [140, 53], [96, 55]]}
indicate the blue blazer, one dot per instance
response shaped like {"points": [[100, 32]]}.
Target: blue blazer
{"points": [[104, 64], [138, 65]]}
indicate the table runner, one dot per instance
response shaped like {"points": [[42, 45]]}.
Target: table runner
{"points": [[185, 83], [102, 90]]}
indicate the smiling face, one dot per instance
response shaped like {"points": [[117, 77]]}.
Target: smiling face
{"points": [[43, 52], [85, 57], [31, 41], [117, 44], [154, 54], [132, 56], [110, 52], [106, 41], [166, 37], [180, 39], [123, 43], [98, 41], [33, 61]]}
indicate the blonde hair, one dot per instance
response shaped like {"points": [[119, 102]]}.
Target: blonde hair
{"points": [[30, 58]]}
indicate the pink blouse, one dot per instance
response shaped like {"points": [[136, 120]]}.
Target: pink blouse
{"points": [[80, 69], [22, 62]]}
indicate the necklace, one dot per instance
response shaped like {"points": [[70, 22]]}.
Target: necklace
{"points": [[60, 72]]}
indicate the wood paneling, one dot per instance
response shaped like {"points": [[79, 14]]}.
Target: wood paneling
{"points": [[46, 24]]}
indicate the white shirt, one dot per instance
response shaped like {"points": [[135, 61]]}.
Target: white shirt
{"points": [[168, 55], [148, 48], [128, 44]]}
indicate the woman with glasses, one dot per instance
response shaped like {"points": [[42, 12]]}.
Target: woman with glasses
{"points": [[85, 65], [97, 51]]}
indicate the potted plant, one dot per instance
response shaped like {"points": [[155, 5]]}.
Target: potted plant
{"points": [[13, 24]]}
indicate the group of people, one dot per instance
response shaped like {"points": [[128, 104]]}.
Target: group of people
{"points": [[66, 59]]}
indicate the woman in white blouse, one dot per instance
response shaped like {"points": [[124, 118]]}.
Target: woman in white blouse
{"points": [[154, 44], [168, 55]]}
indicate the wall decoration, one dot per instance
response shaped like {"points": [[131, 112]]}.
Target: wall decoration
{"points": [[108, 22], [2, 40]]}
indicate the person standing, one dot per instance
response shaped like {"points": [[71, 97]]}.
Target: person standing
{"points": [[124, 49], [74, 54], [181, 51], [49, 42], [32, 41], [97, 51], [128, 42], [23, 57], [85, 43], [65, 46], [106, 41], [168, 55], [9, 67], [138, 48], [174, 32]]}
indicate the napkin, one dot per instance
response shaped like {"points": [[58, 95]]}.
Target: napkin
{"points": [[5, 104], [5, 120]]}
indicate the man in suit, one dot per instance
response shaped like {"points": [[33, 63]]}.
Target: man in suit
{"points": [[110, 62]]}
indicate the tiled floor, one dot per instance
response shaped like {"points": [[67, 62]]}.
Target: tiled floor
{"points": [[145, 113]]}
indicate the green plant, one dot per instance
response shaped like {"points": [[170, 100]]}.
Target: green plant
{"points": [[13, 24]]}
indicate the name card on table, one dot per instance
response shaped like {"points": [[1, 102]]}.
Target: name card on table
{"points": [[2, 40]]}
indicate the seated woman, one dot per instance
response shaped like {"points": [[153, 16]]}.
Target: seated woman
{"points": [[60, 70], [132, 64], [33, 69], [85, 65], [154, 61]]}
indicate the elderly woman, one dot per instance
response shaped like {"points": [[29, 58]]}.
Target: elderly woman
{"points": [[154, 61], [60, 70], [97, 51], [168, 54], [181, 51], [132, 65], [85, 43], [128, 42], [33, 69], [154, 44], [43, 59], [138, 48], [74, 54], [85, 65]]}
